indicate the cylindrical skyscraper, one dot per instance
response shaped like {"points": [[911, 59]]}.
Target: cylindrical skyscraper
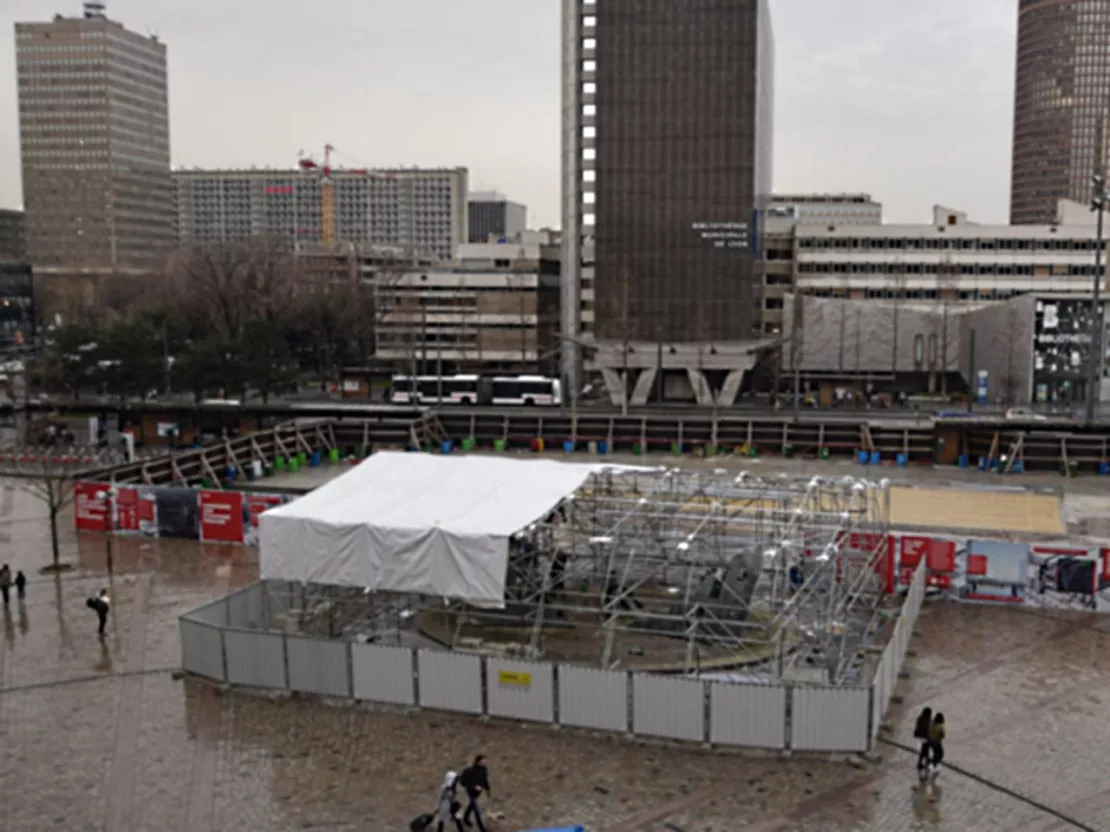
{"points": [[1061, 104]]}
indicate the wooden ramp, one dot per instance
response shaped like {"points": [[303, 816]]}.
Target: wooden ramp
{"points": [[1004, 512]]}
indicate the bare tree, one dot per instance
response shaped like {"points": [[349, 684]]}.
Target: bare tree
{"points": [[52, 484]]}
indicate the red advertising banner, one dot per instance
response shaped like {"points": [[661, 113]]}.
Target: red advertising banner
{"points": [[1105, 553], [87, 509], [258, 503], [941, 556], [912, 550], [127, 510], [221, 516]]}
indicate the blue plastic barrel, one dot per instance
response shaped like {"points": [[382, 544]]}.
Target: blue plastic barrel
{"points": [[901, 459], [314, 459], [1018, 467], [862, 457], [232, 473], [568, 447], [446, 445], [963, 460], [875, 457], [1104, 468], [982, 463], [603, 447]]}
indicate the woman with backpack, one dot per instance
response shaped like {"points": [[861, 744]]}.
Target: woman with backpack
{"points": [[921, 732]]}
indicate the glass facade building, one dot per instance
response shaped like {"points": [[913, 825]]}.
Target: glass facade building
{"points": [[666, 162], [1061, 105]]}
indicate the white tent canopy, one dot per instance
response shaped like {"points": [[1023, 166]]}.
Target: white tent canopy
{"points": [[416, 523]]}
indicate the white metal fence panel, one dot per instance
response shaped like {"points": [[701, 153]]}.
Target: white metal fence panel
{"points": [[255, 659], [590, 698], [450, 681], [244, 608], [753, 716], [382, 674], [214, 613], [202, 650], [663, 706], [830, 719], [317, 666], [520, 690]]}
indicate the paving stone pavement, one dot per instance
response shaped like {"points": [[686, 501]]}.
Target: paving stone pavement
{"points": [[100, 736]]}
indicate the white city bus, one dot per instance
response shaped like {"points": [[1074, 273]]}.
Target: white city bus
{"points": [[503, 391], [460, 389], [526, 390]]}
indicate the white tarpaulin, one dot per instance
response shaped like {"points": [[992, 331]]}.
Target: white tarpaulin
{"points": [[419, 523]]}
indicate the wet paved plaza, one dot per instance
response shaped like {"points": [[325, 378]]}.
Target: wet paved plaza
{"points": [[103, 737]]}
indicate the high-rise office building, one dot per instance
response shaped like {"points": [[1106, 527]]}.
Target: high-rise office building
{"points": [[667, 128], [95, 145], [419, 210], [493, 215], [13, 239], [1061, 105]]}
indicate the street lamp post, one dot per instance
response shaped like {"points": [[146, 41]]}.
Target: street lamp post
{"points": [[106, 498], [1099, 200]]}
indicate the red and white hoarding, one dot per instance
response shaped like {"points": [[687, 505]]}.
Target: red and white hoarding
{"points": [[221, 516]]}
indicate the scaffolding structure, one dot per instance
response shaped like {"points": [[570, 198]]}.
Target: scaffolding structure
{"points": [[778, 574], [669, 570]]}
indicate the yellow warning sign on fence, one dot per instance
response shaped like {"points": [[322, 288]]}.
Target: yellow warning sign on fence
{"points": [[514, 678]]}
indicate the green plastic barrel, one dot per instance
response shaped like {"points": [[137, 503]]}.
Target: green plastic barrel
{"points": [[206, 482], [333, 456], [676, 449], [294, 464], [280, 463], [499, 445], [469, 443], [824, 453]]}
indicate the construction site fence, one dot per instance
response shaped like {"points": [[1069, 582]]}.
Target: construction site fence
{"points": [[223, 642]]}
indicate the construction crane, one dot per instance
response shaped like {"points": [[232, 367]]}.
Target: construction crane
{"points": [[327, 194]]}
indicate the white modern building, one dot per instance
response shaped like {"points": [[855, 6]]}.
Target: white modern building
{"points": [[951, 259], [830, 209], [421, 210]]}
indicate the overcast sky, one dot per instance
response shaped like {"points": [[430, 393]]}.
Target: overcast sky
{"points": [[909, 101]]}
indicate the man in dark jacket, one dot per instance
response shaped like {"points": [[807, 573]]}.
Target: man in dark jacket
{"points": [[475, 779]]}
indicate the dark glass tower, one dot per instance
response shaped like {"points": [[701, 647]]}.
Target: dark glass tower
{"points": [[1061, 105]]}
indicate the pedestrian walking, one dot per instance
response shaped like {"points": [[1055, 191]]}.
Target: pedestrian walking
{"points": [[475, 780], [101, 604], [937, 733], [20, 585], [5, 583], [921, 732], [447, 804]]}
